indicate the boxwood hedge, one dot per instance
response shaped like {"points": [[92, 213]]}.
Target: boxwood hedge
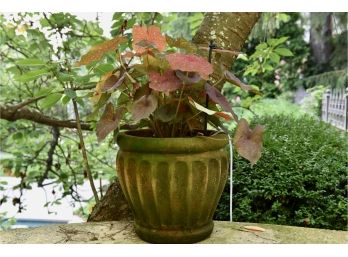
{"points": [[300, 180]]}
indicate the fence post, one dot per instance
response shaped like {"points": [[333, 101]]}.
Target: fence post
{"points": [[327, 96], [346, 110]]}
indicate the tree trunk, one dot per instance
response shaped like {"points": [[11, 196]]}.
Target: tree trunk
{"points": [[321, 39], [112, 207], [229, 31]]}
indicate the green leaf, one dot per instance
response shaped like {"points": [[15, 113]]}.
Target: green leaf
{"points": [[277, 41], [101, 102], [32, 75], [103, 68], [243, 57], [44, 23], [30, 62], [283, 17], [261, 46], [274, 58], [268, 67], [65, 99], [14, 70], [82, 79], [70, 93], [50, 100], [283, 51], [117, 16], [17, 135], [44, 91], [80, 101], [18, 167], [65, 77]]}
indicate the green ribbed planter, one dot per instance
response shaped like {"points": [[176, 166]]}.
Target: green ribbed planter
{"points": [[173, 185]]}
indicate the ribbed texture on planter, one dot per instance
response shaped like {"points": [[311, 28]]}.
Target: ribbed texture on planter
{"points": [[174, 196]]}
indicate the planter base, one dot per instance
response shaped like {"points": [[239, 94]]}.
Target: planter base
{"points": [[179, 236], [172, 185]]}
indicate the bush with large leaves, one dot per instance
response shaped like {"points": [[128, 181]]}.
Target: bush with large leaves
{"points": [[160, 84]]}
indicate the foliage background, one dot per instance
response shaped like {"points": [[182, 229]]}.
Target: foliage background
{"points": [[37, 52]]}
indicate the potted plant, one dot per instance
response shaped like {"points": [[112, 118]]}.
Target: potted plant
{"points": [[159, 103]]}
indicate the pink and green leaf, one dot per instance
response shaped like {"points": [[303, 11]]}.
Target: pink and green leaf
{"points": [[109, 121], [201, 108], [167, 82], [144, 107], [148, 37], [230, 77], [113, 82], [188, 79], [215, 95], [248, 142], [98, 51], [190, 63], [182, 43], [166, 112]]}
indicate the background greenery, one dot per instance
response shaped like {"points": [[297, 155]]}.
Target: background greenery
{"points": [[301, 178]]}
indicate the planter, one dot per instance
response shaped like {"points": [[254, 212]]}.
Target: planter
{"points": [[172, 185]]}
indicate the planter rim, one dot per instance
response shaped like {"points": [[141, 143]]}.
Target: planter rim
{"points": [[145, 144]]}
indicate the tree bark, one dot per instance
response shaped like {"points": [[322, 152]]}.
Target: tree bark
{"points": [[13, 113], [229, 31], [112, 207]]}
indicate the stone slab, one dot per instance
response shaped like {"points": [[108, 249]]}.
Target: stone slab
{"points": [[122, 232]]}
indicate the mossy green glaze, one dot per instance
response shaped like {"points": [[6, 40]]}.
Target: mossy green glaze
{"points": [[173, 185]]}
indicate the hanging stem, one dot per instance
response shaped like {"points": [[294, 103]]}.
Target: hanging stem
{"points": [[211, 47], [84, 152]]}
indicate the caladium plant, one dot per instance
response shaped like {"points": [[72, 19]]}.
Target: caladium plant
{"points": [[162, 84]]}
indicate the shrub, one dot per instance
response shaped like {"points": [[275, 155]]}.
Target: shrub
{"points": [[269, 107], [301, 178], [311, 104]]}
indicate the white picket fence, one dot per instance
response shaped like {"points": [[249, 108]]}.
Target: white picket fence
{"points": [[334, 109]]}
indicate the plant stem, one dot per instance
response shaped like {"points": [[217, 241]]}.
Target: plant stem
{"points": [[84, 152], [177, 108], [211, 47]]}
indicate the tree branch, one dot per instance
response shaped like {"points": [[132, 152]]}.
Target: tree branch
{"points": [[35, 99], [12, 113], [49, 161]]}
